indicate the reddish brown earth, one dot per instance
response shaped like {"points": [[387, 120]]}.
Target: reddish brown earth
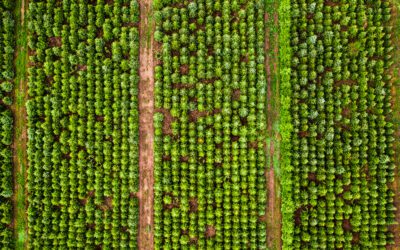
{"points": [[195, 115], [346, 225], [210, 232], [331, 3], [55, 42], [356, 238], [146, 127], [168, 119], [193, 205]]}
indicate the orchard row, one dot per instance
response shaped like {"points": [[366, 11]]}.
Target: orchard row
{"points": [[7, 42]]}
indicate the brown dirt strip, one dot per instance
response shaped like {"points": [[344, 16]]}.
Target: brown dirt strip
{"points": [[273, 212], [146, 127]]}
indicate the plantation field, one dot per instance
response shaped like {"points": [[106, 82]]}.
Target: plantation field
{"points": [[210, 189], [83, 124], [199, 124], [341, 145]]}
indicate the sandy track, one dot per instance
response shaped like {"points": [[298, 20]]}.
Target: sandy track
{"points": [[146, 127]]}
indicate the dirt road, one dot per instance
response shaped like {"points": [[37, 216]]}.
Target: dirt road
{"points": [[146, 127], [273, 211]]}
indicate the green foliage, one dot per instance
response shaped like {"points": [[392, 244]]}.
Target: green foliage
{"points": [[210, 162], [336, 138], [7, 42], [83, 124], [286, 126]]}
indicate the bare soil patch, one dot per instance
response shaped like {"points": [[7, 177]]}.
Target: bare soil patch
{"points": [[236, 95], [55, 42], [167, 121], [182, 86], [184, 69], [193, 205], [345, 82], [298, 212], [303, 134], [195, 114], [331, 3], [82, 67], [356, 238], [210, 232], [312, 177], [346, 225]]}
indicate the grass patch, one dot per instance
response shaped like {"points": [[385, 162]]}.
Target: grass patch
{"points": [[20, 93]]}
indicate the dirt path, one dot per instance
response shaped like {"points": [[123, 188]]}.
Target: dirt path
{"points": [[146, 127], [19, 146], [273, 209], [22, 11], [273, 212]]}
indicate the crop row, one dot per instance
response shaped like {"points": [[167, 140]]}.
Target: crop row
{"points": [[341, 158], [7, 39], [83, 124], [210, 128]]}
